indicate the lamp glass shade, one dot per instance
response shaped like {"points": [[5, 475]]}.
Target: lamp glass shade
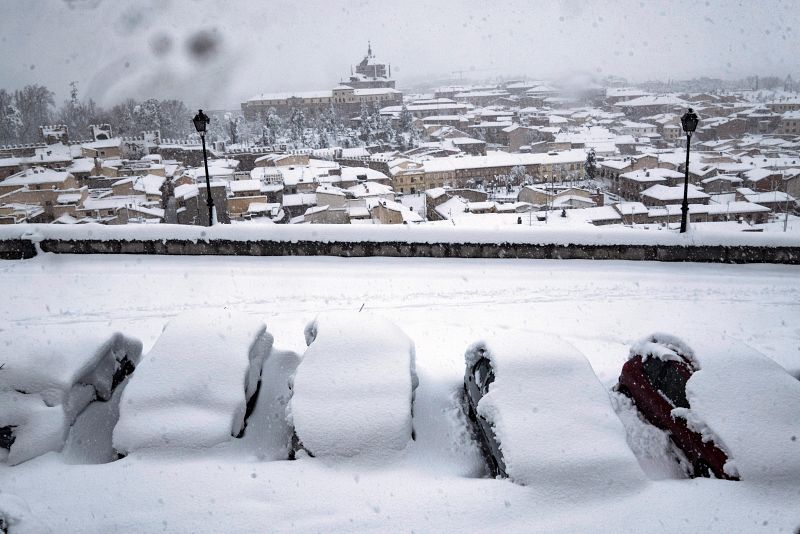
{"points": [[200, 121], [689, 121]]}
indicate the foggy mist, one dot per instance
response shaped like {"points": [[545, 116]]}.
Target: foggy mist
{"points": [[218, 52]]}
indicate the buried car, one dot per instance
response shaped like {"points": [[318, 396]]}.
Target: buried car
{"points": [[730, 410], [197, 385], [542, 417], [50, 376], [353, 391]]}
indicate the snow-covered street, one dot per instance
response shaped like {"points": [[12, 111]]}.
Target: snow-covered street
{"points": [[436, 484]]}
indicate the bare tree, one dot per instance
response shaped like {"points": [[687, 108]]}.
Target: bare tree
{"points": [[77, 115]]}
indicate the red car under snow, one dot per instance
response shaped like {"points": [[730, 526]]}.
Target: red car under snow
{"points": [[657, 386]]}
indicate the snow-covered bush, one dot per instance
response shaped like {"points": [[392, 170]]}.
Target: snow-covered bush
{"points": [[49, 376], [552, 417], [353, 392], [193, 387]]}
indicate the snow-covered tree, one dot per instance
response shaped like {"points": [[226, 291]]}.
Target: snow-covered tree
{"points": [[10, 119], [271, 127], [518, 175], [307, 137], [534, 136], [366, 127], [122, 117], [175, 119], [406, 120], [233, 124], [297, 125], [147, 115], [77, 114], [322, 137], [590, 165], [331, 121], [171, 117], [383, 126], [34, 103]]}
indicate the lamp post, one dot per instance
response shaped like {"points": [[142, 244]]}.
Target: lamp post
{"points": [[200, 121], [689, 122]]}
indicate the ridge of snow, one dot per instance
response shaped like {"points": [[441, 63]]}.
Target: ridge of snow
{"points": [[328, 233]]}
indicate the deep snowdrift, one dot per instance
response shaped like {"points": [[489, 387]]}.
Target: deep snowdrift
{"points": [[434, 484], [269, 434], [16, 517]]}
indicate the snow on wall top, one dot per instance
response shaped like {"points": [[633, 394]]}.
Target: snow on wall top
{"points": [[591, 235], [191, 389], [552, 417], [353, 391], [748, 404]]}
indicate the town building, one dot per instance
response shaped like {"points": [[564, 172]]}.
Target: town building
{"points": [[371, 73], [661, 195], [790, 123], [631, 184], [371, 84]]}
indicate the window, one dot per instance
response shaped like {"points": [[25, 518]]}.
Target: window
{"points": [[669, 378]]}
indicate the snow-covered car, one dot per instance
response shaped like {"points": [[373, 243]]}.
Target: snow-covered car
{"points": [[50, 376], [728, 409], [354, 389], [197, 384], [477, 379], [541, 416]]}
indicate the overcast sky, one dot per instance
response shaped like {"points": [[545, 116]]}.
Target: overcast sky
{"points": [[214, 53]]}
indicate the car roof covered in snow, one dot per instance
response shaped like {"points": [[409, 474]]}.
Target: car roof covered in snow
{"points": [[354, 387], [191, 388], [552, 416]]}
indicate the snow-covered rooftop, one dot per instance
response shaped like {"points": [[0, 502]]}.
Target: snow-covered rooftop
{"points": [[651, 175], [664, 192], [36, 176]]}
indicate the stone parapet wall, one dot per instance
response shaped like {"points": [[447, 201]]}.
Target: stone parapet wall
{"points": [[25, 248]]}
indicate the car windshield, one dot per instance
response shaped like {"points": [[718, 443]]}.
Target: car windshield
{"points": [[669, 377], [253, 252], [483, 375]]}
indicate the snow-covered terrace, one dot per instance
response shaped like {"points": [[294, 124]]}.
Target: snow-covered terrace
{"points": [[437, 483]]}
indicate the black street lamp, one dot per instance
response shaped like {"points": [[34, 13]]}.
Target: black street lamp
{"points": [[200, 121], [689, 122]]}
